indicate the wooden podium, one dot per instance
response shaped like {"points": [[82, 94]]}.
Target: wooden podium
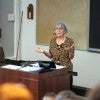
{"points": [[39, 84]]}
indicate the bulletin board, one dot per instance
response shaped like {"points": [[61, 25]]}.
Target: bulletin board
{"points": [[73, 13]]}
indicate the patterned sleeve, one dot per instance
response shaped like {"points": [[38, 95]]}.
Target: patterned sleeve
{"points": [[71, 42], [72, 50], [50, 47]]}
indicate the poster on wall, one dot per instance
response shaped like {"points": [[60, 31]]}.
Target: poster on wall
{"points": [[73, 13]]}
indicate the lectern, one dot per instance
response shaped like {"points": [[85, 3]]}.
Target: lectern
{"points": [[38, 83]]}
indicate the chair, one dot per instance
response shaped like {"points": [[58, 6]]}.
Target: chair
{"points": [[4, 61], [2, 57]]}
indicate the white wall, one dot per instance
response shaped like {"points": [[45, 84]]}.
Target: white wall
{"points": [[87, 64], [28, 32], [7, 40]]}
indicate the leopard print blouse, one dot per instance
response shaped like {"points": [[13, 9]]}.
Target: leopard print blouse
{"points": [[59, 54]]}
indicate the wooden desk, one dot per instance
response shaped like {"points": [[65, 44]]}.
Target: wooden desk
{"points": [[39, 84]]}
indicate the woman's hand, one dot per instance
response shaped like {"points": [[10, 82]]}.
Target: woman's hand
{"points": [[70, 48], [40, 50], [44, 52], [70, 51]]}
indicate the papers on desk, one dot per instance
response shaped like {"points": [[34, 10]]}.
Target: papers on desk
{"points": [[31, 67], [11, 67], [35, 65], [59, 67]]}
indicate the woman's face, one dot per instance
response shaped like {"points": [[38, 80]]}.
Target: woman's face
{"points": [[59, 32]]}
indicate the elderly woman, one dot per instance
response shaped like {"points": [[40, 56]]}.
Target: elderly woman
{"points": [[61, 48]]}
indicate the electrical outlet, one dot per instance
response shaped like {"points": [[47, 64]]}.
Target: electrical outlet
{"points": [[11, 17]]}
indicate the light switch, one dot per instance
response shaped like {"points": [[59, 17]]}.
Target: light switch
{"points": [[11, 17]]}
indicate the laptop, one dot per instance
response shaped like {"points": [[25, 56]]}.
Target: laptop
{"points": [[47, 64]]}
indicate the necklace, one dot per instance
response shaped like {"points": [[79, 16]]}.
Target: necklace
{"points": [[60, 41]]}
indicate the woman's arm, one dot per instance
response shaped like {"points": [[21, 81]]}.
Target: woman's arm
{"points": [[44, 52], [47, 54], [70, 51]]}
